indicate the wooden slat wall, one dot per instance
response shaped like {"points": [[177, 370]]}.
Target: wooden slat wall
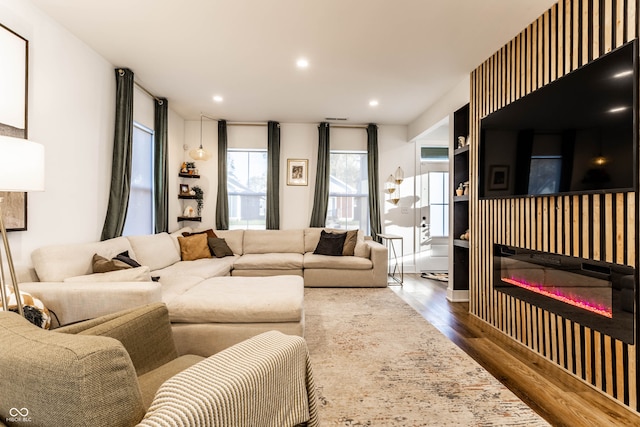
{"points": [[603, 227]]}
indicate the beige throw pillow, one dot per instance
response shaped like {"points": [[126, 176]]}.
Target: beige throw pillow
{"points": [[194, 247], [102, 265], [350, 243]]}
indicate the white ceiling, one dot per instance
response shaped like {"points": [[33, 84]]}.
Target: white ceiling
{"points": [[404, 53]]}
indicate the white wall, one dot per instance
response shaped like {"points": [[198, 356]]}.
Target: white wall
{"points": [[70, 103], [71, 108]]}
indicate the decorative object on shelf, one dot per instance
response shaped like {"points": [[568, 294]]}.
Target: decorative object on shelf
{"points": [[465, 187], [184, 189], [191, 168], [460, 190], [200, 153], [461, 141], [197, 191], [189, 212], [297, 171], [21, 169], [468, 141], [465, 235], [183, 168]]}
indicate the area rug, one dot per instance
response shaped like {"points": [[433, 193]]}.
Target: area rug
{"points": [[377, 362], [440, 277]]}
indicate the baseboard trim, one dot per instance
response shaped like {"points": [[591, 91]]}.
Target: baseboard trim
{"points": [[457, 295]]}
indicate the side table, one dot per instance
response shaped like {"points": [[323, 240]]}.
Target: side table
{"points": [[396, 266]]}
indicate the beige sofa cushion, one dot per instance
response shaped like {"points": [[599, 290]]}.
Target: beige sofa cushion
{"points": [[273, 241], [138, 274], [312, 260], [56, 263], [271, 261], [203, 268], [240, 300], [155, 250], [234, 239]]}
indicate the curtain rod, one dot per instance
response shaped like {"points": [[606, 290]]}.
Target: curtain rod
{"points": [[160, 101], [347, 126]]}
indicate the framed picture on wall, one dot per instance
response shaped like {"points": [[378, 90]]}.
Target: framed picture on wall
{"points": [[14, 51], [499, 177], [297, 171], [184, 189]]}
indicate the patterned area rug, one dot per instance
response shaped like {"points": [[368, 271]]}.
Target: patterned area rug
{"points": [[377, 362]]}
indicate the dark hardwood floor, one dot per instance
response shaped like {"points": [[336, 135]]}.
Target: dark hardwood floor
{"points": [[556, 395]]}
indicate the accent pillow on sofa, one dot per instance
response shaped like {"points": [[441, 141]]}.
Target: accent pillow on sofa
{"points": [[209, 233], [138, 274], [219, 247], [330, 244], [194, 247], [100, 264], [350, 243], [124, 257]]}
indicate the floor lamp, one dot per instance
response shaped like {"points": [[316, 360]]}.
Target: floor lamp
{"points": [[21, 169]]}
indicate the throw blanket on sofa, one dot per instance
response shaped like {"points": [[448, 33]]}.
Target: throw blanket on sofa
{"points": [[265, 382]]}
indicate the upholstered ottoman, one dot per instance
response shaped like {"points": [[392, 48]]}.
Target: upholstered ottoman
{"points": [[219, 312]]}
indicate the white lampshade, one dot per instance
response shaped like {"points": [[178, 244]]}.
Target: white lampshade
{"points": [[21, 165]]}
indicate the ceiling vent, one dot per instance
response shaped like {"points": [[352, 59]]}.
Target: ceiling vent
{"points": [[336, 119]]}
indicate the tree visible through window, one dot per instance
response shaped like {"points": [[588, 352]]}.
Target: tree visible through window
{"points": [[348, 191], [247, 188], [140, 209]]}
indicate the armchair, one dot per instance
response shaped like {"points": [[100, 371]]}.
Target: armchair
{"points": [[123, 370]]}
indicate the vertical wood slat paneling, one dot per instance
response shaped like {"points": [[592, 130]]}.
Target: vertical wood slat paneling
{"points": [[602, 227]]}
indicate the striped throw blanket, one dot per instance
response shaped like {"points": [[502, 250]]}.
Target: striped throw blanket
{"points": [[263, 381]]}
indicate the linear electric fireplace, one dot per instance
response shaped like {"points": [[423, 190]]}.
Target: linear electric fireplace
{"points": [[595, 294]]}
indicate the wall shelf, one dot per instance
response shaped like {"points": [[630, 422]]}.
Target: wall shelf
{"points": [[186, 175], [461, 243], [190, 218]]}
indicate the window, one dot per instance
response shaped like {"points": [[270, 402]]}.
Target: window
{"points": [[140, 218], [247, 188], [348, 191], [439, 203]]}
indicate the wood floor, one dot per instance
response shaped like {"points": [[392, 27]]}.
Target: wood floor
{"points": [[557, 396]]}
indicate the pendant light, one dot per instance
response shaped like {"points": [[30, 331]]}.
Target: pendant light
{"points": [[200, 153]]}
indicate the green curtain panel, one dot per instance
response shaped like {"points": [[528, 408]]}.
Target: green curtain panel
{"points": [[222, 201], [321, 195], [273, 176], [121, 163], [160, 178], [372, 172]]}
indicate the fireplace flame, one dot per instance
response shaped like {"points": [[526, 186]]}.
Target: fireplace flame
{"points": [[557, 294]]}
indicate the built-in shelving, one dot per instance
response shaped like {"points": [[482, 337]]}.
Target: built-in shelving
{"points": [[459, 265]]}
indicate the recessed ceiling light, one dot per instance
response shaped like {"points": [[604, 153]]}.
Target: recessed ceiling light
{"points": [[218, 98], [373, 103], [302, 63]]}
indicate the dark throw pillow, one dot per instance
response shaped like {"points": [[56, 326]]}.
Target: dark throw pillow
{"points": [[330, 244], [219, 247], [124, 257], [209, 233]]}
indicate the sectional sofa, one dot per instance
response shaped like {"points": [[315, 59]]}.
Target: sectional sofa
{"points": [[213, 302]]}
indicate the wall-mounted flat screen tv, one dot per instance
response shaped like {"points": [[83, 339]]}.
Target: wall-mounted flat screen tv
{"points": [[574, 135]]}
